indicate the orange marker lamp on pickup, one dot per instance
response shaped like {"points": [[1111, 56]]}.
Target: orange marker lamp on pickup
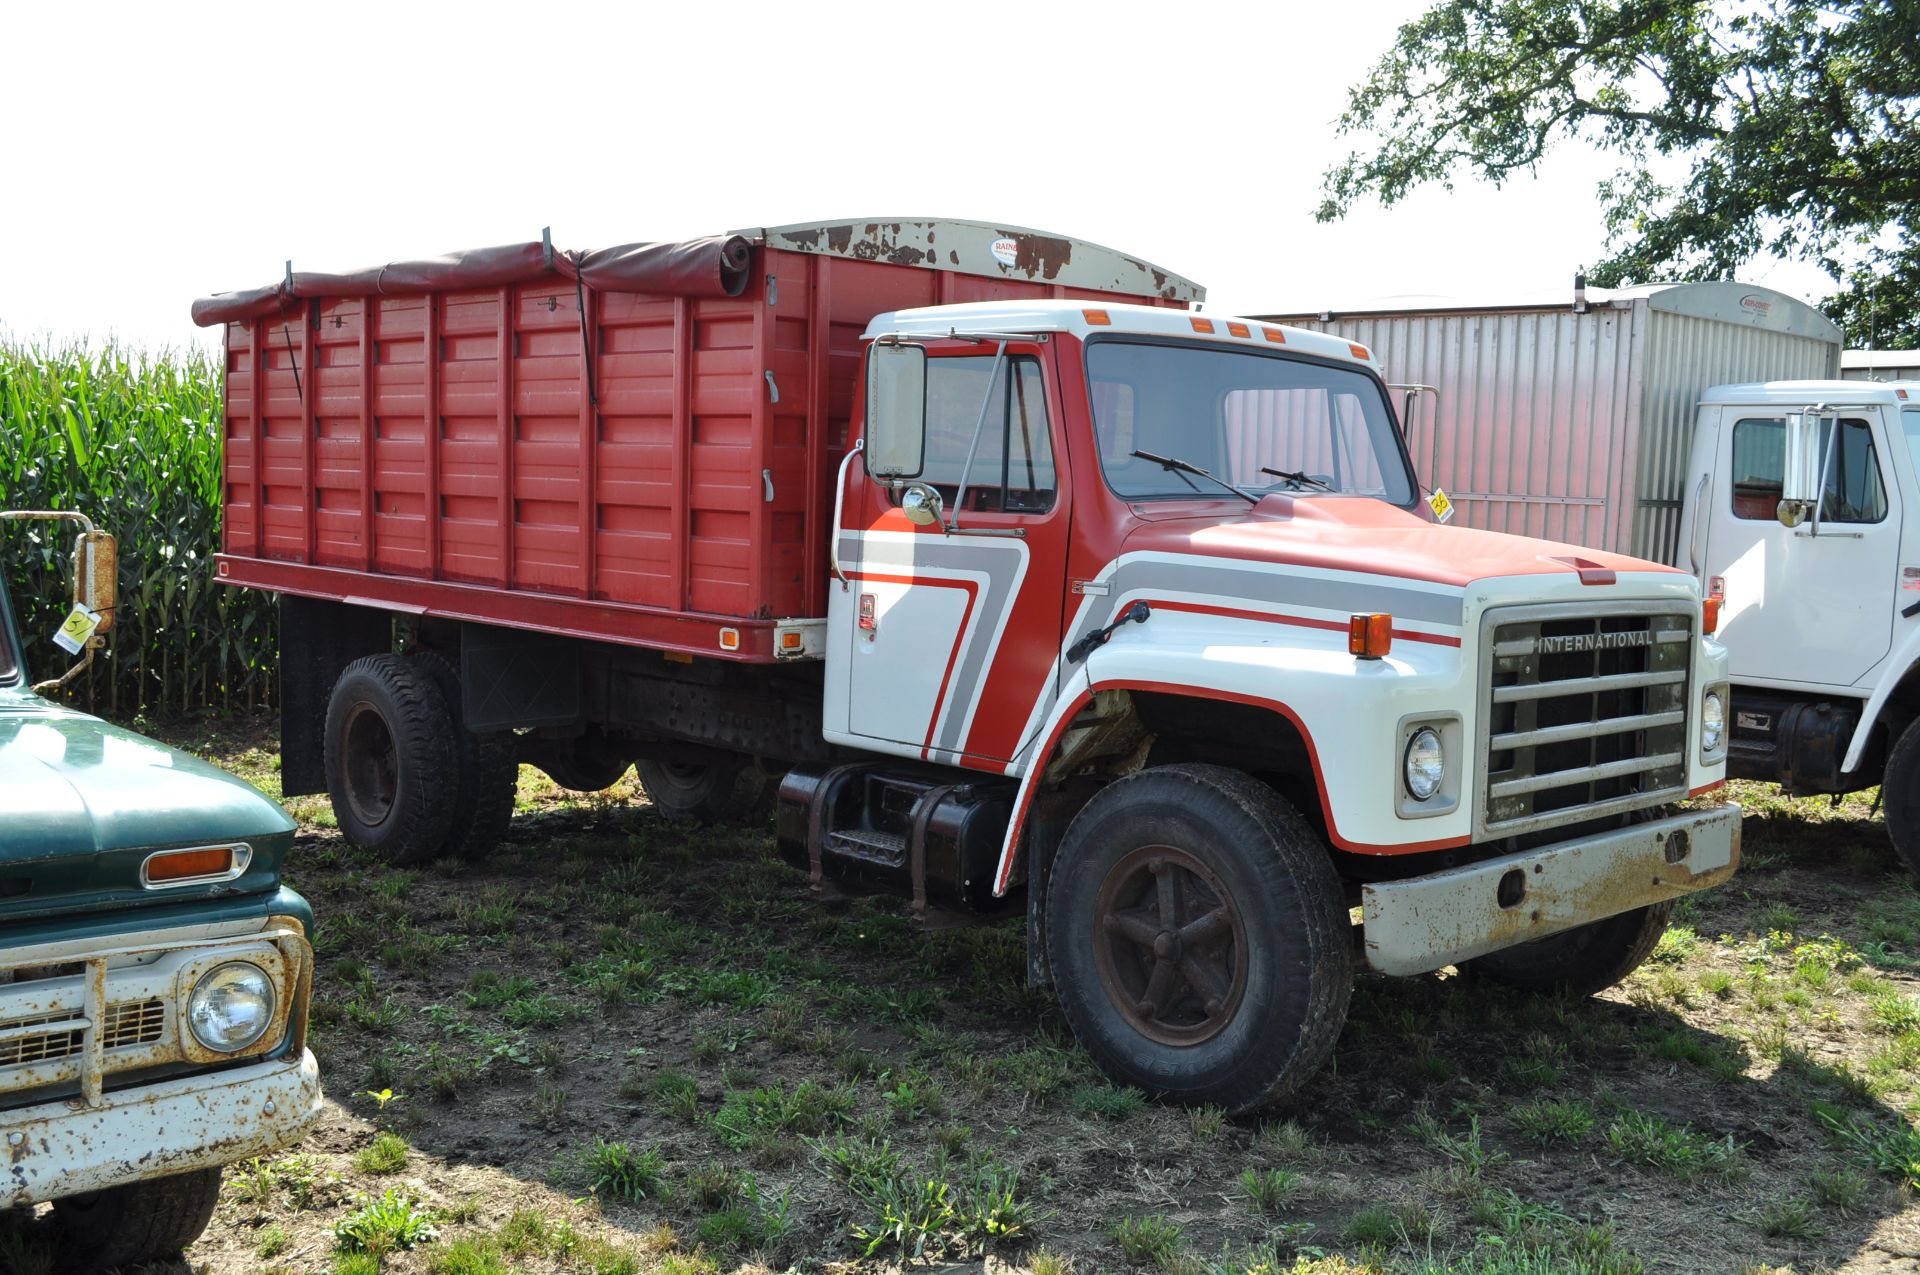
{"points": [[1369, 637]]}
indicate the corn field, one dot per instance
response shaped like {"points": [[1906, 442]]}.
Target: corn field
{"points": [[133, 442]]}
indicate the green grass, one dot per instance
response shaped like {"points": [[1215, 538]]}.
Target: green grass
{"points": [[381, 1225], [388, 1154], [1150, 1240], [1678, 1150], [615, 1169], [133, 442]]}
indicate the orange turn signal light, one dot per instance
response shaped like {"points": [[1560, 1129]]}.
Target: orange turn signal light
{"points": [[729, 639], [166, 867], [1358, 351], [1098, 318], [1201, 325], [1238, 329], [790, 641], [1275, 335], [1369, 636], [1710, 614]]}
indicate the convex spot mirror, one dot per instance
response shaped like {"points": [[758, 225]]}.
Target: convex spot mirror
{"points": [[896, 426], [1800, 484]]}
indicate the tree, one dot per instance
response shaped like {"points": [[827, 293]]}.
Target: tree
{"points": [[1745, 127]]}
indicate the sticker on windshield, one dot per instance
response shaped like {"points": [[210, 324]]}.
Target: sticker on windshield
{"points": [[78, 627], [1441, 506]]}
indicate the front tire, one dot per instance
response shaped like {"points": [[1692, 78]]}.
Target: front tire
{"points": [[1199, 939], [137, 1222], [1582, 961], [391, 773], [1900, 797]]}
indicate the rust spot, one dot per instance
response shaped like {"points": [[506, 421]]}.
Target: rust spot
{"points": [[804, 238], [839, 237], [905, 255], [1040, 254]]}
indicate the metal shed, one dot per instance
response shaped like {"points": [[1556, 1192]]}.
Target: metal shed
{"points": [[1570, 418], [1880, 365]]}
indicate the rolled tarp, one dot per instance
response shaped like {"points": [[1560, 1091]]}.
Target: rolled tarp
{"points": [[712, 267]]}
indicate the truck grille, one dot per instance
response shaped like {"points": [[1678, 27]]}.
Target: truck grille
{"points": [[1586, 713], [128, 1024]]}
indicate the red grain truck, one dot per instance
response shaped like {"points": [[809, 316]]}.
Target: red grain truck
{"points": [[1041, 590]]}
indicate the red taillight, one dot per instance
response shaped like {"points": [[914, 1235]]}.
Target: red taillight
{"points": [[1369, 636]]}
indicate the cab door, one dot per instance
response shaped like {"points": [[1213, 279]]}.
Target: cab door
{"points": [[1812, 604], [951, 623]]}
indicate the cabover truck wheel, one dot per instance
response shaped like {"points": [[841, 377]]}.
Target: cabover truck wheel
{"points": [[1200, 944], [136, 1222], [390, 759], [704, 792], [1579, 962], [486, 767], [1900, 797]]}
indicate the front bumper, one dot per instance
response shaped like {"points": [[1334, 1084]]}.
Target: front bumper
{"points": [[1426, 923], [206, 1121]]}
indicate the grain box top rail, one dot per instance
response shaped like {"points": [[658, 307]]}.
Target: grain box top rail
{"points": [[993, 250]]}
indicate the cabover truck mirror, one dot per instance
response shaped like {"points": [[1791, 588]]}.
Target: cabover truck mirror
{"points": [[1801, 477], [896, 409]]}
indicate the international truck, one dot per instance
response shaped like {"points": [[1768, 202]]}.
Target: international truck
{"points": [[1708, 426], [1043, 593], [154, 971]]}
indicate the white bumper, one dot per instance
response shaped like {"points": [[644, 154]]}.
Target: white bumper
{"points": [[149, 1131], [1426, 923]]}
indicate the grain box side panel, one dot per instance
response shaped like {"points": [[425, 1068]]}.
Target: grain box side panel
{"points": [[283, 438], [465, 431], [339, 458], [638, 483], [239, 524], [545, 445], [399, 437], [727, 387]]}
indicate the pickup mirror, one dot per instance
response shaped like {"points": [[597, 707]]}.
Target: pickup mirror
{"points": [[96, 575], [896, 427], [1800, 481]]}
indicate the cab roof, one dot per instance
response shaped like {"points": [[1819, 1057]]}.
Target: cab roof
{"points": [[1803, 393], [1083, 319]]}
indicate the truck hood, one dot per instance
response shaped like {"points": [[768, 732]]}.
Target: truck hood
{"points": [[85, 802], [1373, 538]]}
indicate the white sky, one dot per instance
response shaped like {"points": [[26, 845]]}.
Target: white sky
{"points": [[164, 152]]}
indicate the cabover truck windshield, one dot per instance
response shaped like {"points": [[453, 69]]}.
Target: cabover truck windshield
{"points": [[154, 976], [1043, 593]]}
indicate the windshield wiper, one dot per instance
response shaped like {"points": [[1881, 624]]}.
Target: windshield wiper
{"points": [[1299, 479], [1178, 466]]}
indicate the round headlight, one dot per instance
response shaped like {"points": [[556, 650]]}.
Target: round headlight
{"points": [[231, 1007], [1713, 722], [1426, 763]]}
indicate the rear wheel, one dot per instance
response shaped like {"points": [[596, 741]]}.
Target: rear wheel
{"points": [[139, 1221], [391, 772], [703, 792], [485, 766], [1579, 962], [1199, 940], [1900, 797]]}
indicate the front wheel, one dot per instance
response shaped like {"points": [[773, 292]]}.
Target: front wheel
{"points": [[1199, 940], [1900, 797], [1578, 962], [137, 1222]]}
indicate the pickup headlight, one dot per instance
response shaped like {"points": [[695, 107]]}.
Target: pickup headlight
{"points": [[231, 1007], [1426, 763], [1713, 721]]}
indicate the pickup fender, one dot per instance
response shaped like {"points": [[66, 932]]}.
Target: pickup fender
{"points": [[1904, 657]]}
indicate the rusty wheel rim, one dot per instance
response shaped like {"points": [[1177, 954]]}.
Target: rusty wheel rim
{"points": [[1170, 945], [372, 768]]}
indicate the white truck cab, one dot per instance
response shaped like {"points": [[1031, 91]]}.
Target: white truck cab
{"points": [[1795, 519]]}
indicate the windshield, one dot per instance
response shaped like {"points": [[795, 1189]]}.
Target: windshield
{"points": [[1240, 414], [1910, 426]]}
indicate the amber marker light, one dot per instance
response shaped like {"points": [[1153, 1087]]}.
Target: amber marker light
{"points": [[1369, 636], [1358, 351], [1098, 318], [790, 641], [1201, 325], [729, 639], [1710, 614], [201, 863], [1238, 329], [1275, 335]]}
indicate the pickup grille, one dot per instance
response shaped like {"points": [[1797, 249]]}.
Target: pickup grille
{"points": [[1585, 713], [43, 1039]]}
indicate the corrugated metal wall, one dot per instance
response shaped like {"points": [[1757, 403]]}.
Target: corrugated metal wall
{"points": [[1568, 426], [1533, 405], [1684, 356]]}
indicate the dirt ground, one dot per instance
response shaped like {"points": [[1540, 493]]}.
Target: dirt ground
{"points": [[621, 1046]]}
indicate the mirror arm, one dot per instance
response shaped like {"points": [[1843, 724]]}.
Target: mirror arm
{"points": [[952, 524]]}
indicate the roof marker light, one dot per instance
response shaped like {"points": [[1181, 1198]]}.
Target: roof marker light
{"points": [[1275, 335], [1201, 325], [1097, 318], [1238, 329], [1358, 351]]}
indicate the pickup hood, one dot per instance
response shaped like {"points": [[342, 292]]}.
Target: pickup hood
{"points": [[1373, 538], [83, 802]]}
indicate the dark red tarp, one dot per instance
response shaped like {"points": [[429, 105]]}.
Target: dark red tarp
{"points": [[715, 267]]}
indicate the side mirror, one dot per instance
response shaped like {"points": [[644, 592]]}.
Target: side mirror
{"points": [[896, 426], [96, 575], [1800, 478], [921, 504]]}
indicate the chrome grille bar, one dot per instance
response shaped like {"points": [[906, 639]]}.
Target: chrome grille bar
{"points": [[1587, 730]]}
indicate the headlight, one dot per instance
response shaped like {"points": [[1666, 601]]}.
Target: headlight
{"points": [[1713, 722], [231, 1007], [1426, 763]]}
